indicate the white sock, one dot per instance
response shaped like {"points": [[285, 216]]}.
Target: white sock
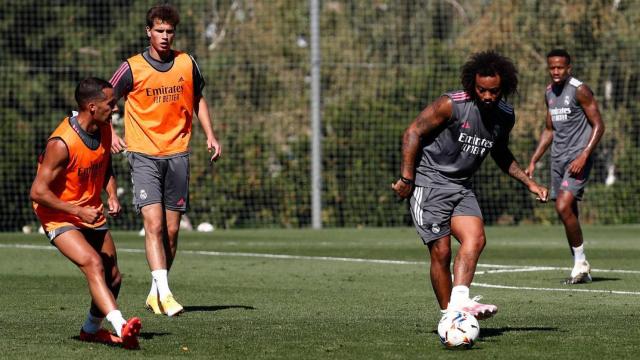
{"points": [[116, 320], [92, 323], [459, 294], [154, 288], [578, 254], [162, 282]]}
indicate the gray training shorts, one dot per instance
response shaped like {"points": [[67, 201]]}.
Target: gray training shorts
{"points": [[561, 180], [160, 180], [433, 208], [53, 234]]}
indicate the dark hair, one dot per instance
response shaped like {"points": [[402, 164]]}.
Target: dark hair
{"points": [[489, 63], [560, 52], [165, 13], [90, 89]]}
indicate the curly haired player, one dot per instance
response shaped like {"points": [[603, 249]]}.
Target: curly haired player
{"points": [[441, 150]]}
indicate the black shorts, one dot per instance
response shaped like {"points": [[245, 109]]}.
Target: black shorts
{"points": [[433, 208]]}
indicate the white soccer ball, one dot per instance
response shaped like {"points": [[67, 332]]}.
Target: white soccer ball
{"points": [[458, 329], [205, 227]]}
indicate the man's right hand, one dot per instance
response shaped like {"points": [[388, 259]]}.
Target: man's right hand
{"points": [[402, 188], [117, 143], [88, 214]]}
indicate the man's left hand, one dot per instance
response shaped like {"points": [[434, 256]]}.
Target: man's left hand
{"points": [[577, 166], [214, 147]]}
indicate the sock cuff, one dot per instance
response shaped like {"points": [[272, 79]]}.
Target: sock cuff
{"points": [[578, 253], [159, 273], [460, 289], [113, 315], [459, 294]]}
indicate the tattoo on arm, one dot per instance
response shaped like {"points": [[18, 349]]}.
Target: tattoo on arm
{"points": [[516, 172], [428, 121], [507, 162]]}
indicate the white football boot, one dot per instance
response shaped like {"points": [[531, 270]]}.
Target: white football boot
{"points": [[478, 310], [581, 274]]}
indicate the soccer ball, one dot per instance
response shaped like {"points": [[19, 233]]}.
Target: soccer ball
{"points": [[458, 329]]}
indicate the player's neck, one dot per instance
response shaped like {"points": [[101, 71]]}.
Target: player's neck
{"points": [[560, 84], [558, 87], [87, 124], [163, 56]]}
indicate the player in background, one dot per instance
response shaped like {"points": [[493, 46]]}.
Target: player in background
{"points": [[162, 89], [573, 128], [72, 172], [441, 150]]}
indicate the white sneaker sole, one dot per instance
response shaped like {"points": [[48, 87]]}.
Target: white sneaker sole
{"points": [[583, 278]]}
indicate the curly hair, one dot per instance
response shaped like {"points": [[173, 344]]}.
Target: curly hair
{"points": [[489, 63], [165, 13]]}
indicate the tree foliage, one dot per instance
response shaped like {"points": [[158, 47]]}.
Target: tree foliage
{"points": [[382, 62]]}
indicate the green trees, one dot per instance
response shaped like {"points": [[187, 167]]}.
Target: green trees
{"points": [[382, 62]]}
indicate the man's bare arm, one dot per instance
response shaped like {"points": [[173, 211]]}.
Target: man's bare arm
{"points": [[425, 124]]}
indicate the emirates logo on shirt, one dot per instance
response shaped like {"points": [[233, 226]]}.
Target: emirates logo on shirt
{"points": [[165, 94], [474, 144], [85, 173]]}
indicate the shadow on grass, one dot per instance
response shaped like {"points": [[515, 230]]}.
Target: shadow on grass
{"points": [[147, 335], [491, 332], [593, 279], [216, 308], [77, 338]]}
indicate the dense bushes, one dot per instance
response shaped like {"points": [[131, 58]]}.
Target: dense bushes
{"points": [[382, 62]]}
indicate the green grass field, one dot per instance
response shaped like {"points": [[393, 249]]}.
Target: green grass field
{"points": [[304, 294]]}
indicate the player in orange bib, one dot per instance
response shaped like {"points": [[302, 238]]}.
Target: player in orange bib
{"points": [[162, 89], [72, 172]]}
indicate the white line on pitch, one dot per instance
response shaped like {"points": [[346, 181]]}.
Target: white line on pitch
{"points": [[572, 289], [501, 268]]}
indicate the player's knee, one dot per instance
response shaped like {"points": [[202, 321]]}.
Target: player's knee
{"points": [[475, 243], [92, 266], [440, 255], [563, 208], [481, 242], [172, 230], [153, 227]]}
